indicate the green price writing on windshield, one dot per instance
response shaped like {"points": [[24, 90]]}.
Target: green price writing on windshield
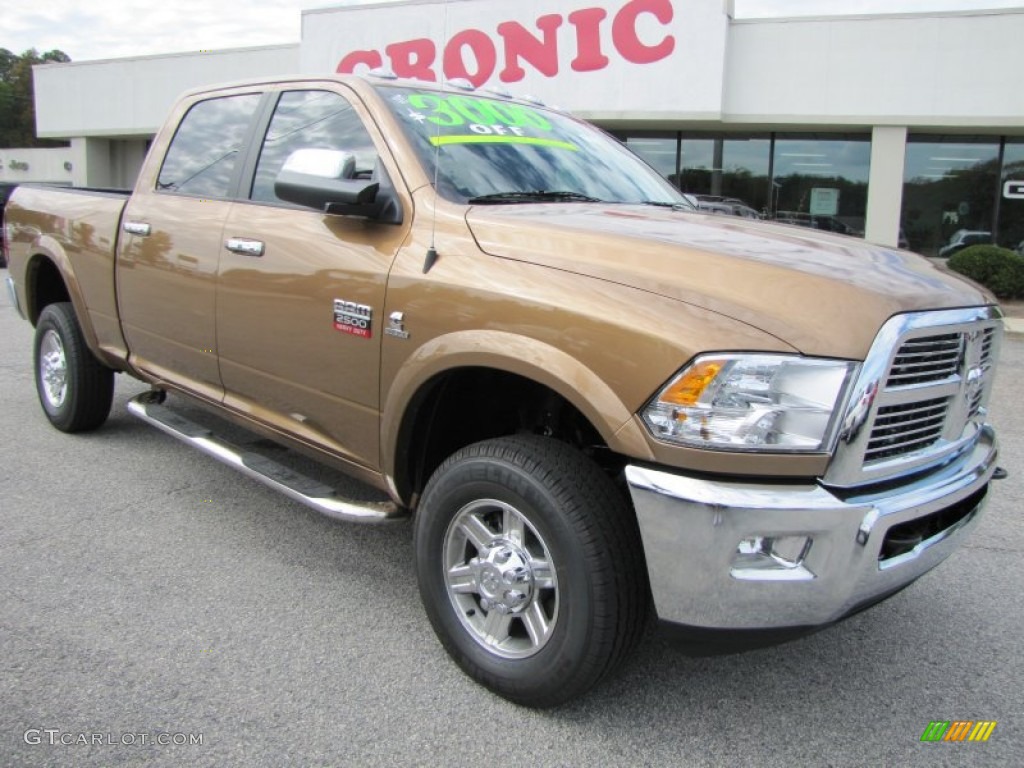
{"points": [[455, 111]]}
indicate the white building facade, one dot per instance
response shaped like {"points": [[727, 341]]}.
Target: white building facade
{"points": [[897, 127]]}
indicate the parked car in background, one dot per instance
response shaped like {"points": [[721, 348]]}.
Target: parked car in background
{"points": [[5, 193], [963, 238], [824, 223], [730, 206]]}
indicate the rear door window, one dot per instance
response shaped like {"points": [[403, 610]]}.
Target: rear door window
{"points": [[205, 150]]}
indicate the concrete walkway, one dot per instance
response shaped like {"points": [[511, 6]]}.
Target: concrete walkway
{"points": [[1014, 325]]}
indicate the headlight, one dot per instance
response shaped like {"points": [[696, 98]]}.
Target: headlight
{"points": [[751, 403]]}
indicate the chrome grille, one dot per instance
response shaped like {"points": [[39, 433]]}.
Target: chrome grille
{"points": [[988, 344], [987, 348], [932, 358], [904, 428], [920, 396]]}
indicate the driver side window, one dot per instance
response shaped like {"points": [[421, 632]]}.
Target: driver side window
{"points": [[310, 120]]}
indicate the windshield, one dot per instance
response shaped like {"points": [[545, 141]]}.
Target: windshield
{"points": [[498, 151]]}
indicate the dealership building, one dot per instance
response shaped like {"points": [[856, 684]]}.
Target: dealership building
{"points": [[903, 128]]}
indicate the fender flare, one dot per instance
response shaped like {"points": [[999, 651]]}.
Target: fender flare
{"points": [[532, 359], [47, 248]]}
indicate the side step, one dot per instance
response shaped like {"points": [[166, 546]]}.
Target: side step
{"points": [[313, 494]]}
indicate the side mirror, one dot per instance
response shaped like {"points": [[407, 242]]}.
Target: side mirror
{"points": [[322, 179]]}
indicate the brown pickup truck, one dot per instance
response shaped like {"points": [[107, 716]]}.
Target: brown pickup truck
{"points": [[595, 401]]}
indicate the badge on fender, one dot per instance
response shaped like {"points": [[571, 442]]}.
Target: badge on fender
{"points": [[353, 319]]}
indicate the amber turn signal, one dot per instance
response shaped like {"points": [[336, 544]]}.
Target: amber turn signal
{"points": [[688, 388]]}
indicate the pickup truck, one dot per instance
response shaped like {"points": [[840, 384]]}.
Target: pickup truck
{"points": [[598, 404]]}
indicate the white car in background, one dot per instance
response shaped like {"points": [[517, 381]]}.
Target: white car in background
{"points": [[964, 238]]}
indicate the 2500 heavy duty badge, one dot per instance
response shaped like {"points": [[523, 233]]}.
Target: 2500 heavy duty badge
{"points": [[354, 319]]}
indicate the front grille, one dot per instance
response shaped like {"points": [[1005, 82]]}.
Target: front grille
{"points": [[905, 428], [920, 396], [988, 344], [923, 360]]}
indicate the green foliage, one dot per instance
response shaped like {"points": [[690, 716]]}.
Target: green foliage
{"points": [[17, 97], [998, 269]]}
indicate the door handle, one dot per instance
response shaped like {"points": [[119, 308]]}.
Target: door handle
{"points": [[245, 247], [140, 228]]}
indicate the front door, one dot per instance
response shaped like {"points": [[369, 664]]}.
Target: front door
{"points": [[301, 292]]}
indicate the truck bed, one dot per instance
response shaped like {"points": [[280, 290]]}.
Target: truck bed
{"points": [[76, 228]]}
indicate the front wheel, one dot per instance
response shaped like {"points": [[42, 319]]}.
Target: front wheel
{"points": [[75, 389], [530, 568]]}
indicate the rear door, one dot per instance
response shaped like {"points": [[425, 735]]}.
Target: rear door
{"points": [[301, 292], [171, 242]]}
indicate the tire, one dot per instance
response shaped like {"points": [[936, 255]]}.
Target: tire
{"points": [[74, 388], [530, 568]]}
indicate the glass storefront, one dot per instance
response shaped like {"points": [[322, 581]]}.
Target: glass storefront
{"points": [[814, 180], [949, 192], [954, 187], [727, 171], [1010, 231], [822, 181], [660, 152]]}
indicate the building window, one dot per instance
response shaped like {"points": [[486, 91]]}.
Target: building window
{"points": [[813, 180], [821, 181], [1010, 232], [660, 152], [949, 185], [728, 174]]}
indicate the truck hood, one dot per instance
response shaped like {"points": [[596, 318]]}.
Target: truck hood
{"points": [[822, 294]]}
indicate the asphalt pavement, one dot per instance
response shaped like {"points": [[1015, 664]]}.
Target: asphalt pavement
{"points": [[158, 608]]}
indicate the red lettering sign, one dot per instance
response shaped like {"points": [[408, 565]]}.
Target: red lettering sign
{"points": [[473, 54], [369, 59], [588, 39], [520, 43], [628, 42], [413, 59], [480, 45]]}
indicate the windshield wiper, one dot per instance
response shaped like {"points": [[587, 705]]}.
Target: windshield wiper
{"points": [[667, 204], [537, 196]]}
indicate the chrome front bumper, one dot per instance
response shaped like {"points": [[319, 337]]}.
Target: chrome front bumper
{"points": [[754, 556]]}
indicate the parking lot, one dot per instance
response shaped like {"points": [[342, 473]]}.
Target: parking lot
{"points": [[150, 592]]}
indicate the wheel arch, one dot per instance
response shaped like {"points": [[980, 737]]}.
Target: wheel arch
{"points": [[49, 279], [447, 373]]}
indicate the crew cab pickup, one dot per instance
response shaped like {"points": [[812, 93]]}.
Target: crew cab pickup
{"points": [[594, 400]]}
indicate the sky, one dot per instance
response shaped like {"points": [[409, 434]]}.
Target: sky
{"points": [[99, 30]]}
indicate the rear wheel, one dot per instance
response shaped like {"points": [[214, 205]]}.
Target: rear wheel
{"points": [[75, 389], [530, 568]]}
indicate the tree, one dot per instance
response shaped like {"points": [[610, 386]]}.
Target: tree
{"points": [[17, 97]]}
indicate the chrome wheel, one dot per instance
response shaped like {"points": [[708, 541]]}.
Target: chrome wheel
{"points": [[501, 579], [53, 369]]}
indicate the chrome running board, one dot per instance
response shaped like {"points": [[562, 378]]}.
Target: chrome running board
{"points": [[294, 485]]}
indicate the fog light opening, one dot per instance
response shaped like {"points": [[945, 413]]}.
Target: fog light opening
{"points": [[772, 558]]}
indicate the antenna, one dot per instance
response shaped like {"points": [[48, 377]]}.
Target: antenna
{"points": [[431, 258]]}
